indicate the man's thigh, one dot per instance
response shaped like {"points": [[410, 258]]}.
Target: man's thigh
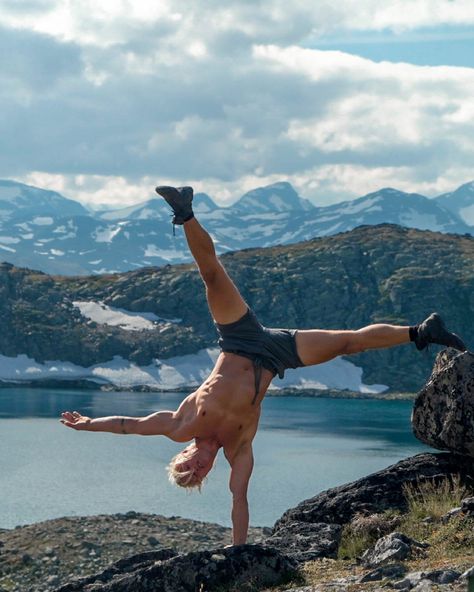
{"points": [[225, 301], [318, 346]]}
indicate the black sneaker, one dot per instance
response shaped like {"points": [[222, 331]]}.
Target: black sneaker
{"points": [[433, 330], [180, 199]]}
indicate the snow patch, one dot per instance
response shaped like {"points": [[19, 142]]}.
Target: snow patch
{"points": [[118, 317], [106, 235], [168, 254], [9, 240], [467, 214], [42, 221], [180, 372], [5, 248], [415, 219], [57, 252], [338, 374], [359, 207]]}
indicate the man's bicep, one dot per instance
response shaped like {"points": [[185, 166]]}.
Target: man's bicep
{"points": [[241, 471], [161, 423]]}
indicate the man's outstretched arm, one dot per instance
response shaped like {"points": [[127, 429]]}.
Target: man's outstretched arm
{"points": [[162, 423], [241, 470]]}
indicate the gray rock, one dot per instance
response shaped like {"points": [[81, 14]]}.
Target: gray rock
{"points": [[304, 541], [451, 514], [443, 413], [206, 570], [409, 581], [443, 576], [390, 572], [423, 586], [467, 506], [393, 547], [469, 575], [413, 580], [377, 492]]}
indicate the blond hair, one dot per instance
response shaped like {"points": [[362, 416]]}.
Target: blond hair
{"points": [[186, 479]]}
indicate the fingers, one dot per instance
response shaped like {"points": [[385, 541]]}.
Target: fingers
{"points": [[68, 423]]}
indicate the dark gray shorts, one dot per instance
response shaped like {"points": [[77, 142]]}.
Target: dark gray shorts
{"points": [[275, 349]]}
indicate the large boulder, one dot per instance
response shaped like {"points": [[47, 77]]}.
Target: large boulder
{"points": [[246, 566], [443, 413], [377, 492]]}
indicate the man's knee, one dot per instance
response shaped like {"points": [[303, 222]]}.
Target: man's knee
{"points": [[211, 274], [353, 343]]}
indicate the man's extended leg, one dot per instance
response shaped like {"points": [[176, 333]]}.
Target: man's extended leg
{"points": [[225, 302], [318, 346]]}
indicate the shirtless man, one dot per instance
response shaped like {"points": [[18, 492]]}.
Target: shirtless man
{"points": [[224, 411]]}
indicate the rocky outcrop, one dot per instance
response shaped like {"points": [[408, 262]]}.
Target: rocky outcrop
{"points": [[245, 567], [378, 492], [443, 413], [313, 528]]}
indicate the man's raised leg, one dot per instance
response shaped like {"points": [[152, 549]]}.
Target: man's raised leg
{"points": [[225, 302]]}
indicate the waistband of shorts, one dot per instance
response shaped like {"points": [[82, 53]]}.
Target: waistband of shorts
{"points": [[255, 358]]}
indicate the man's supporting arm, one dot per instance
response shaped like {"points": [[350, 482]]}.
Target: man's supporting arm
{"points": [[241, 470], [162, 423]]}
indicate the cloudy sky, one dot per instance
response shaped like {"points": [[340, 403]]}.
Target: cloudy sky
{"points": [[103, 100]]}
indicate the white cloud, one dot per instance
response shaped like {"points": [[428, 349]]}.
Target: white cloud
{"points": [[101, 101], [118, 21]]}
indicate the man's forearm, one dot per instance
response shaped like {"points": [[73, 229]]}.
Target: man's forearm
{"points": [[115, 424], [240, 521]]}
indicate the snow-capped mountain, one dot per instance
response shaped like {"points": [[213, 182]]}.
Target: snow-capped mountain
{"points": [[43, 230], [460, 202], [279, 197], [18, 200], [390, 205]]}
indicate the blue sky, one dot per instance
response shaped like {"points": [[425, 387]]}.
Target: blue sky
{"points": [[430, 46], [101, 101]]}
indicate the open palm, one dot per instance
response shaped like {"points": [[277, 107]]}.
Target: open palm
{"points": [[75, 420]]}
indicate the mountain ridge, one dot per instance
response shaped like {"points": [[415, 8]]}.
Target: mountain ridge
{"points": [[372, 274], [43, 230]]}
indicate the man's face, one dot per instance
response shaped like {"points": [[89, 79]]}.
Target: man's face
{"points": [[200, 463]]}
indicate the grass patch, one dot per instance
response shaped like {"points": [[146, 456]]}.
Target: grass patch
{"points": [[425, 500], [434, 498]]}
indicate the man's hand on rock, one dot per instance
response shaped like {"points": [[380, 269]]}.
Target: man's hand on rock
{"points": [[75, 420]]}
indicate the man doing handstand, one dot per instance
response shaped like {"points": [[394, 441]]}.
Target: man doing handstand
{"points": [[224, 411]]}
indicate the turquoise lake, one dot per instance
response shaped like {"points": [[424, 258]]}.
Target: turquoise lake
{"points": [[303, 446]]}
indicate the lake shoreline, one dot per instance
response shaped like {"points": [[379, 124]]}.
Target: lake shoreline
{"points": [[87, 385]]}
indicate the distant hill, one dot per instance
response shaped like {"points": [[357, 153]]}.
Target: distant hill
{"points": [[382, 273], [43, 230]]}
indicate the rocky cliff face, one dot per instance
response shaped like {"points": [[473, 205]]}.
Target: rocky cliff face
{"points": [[371, 274]]}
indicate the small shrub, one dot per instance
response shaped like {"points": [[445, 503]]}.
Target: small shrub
{"points": [[363, 531], [433, 498]]}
